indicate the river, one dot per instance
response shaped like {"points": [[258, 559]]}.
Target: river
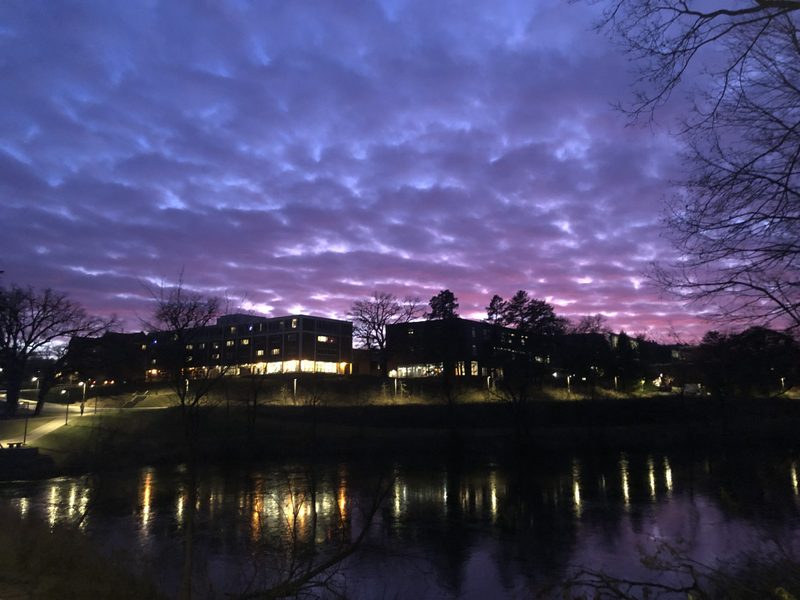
{"points": [[443, 528]]}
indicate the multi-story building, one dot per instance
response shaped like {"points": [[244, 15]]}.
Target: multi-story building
{"points": [[468, 348], [247, 344]]}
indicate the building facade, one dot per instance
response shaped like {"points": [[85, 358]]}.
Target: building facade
{"points": [[248, 344], [459, 347]]}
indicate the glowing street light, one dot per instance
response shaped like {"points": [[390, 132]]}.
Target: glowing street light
{"points": [[35, 380], [66, 412]]}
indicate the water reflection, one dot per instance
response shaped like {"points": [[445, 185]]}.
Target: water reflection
{"points": [[626, 492], [145, 495], [525, 521]]}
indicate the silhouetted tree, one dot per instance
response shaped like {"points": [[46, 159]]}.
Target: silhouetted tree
{"points": [[757, 361], [590, 324], [371, 316], [736, 223], [494, 312], [444, 305], [532, 316], [30, 322], [181, 316]]}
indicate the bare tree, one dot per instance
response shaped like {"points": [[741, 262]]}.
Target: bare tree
{"points": [[590, 324], [736, 219], [181, 317], [30, 322], [371, 316]]}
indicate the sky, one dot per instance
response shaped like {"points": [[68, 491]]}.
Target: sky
{"points": [[293, 157]]}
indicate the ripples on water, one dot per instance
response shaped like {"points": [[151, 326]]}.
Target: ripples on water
{"points": [[442, 530]]}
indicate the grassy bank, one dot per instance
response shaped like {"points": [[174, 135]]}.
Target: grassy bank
{"points": [[131, 438]]}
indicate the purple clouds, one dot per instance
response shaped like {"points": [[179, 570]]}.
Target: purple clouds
{"points": [[296, 156]]}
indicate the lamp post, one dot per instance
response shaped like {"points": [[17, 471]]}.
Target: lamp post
{"points": [[83, 394], [66, 412], [35, 380]]}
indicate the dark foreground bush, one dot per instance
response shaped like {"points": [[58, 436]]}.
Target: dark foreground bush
{"points": [[771, 574]]}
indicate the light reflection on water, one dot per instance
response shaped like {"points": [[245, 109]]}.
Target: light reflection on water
{"points": [[533, 520]]}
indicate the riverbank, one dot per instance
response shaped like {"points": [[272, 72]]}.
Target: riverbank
{"points": [[130, 437]]}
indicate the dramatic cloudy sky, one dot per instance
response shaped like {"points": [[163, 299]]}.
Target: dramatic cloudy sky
{"points": [[295, 156]]}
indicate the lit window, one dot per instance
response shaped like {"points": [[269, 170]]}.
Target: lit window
{"points": [[473, 368], [232, 329], [144, 346], [245, 342], [216, 345], [189, 358], [275, 351], [259, 353], [229, 343], [322, 338], [202, 346], [294, 323], [189, 347], [215, 356], [411, 331]]}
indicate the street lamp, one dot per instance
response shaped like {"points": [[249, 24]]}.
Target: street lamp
{"points": [[83, 396], [66, 412], [36, 381]]}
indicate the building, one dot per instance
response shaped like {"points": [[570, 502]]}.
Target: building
{"points": [[113, 357], [248, 344], [462, 347]]}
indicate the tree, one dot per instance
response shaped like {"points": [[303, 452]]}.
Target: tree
{"points": [[371, 316], [444, 305], [180, 317], [755, 362], [532, 316], [494, 312], [31, 321], [590, 324], [736, 220]]}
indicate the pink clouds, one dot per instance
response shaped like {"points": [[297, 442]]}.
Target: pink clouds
{"points": [[300, 154]]}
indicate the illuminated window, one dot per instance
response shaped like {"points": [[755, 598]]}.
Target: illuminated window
{"points": [[232, 329], [189, 347], [473, 368], [307, 366], [245, 342], [259, 353], [325, 339], [215, 356], [229, 343], [460, 368], [144, 346], [294, 323], [152, 362], [189, 358], [275, 351], [411, 331], [202, 346], [216, 345]]}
